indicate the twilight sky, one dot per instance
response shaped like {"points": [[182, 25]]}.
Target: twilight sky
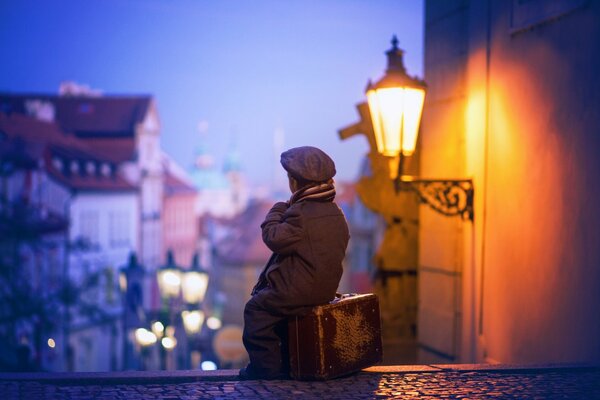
{"points": [[224, 73]]}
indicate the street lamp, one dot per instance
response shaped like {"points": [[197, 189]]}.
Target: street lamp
{"points": [[192, 321], [194, 282], [169, 278], [396, 104], [144, 337], [158, 329], [131, 279], [395, 107]]}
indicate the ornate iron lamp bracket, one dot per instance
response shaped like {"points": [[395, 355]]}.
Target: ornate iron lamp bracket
{"points": [[449, 197]]}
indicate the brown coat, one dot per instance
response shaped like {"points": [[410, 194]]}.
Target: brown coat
{"points": [[309, 241]]}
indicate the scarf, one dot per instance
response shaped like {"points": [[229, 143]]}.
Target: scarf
{"points": [[324, 191]]}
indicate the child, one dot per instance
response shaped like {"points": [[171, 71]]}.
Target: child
{"points": [[308, 236]]}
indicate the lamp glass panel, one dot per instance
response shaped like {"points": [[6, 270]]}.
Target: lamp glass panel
{"points": [[194, 286], [373, 101], [169, 282], [396, 114], [413, 108]]}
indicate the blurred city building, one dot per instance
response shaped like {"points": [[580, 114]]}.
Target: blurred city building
{"points": [[180, 227], [239, 257], [223, 192], [94, 161]]}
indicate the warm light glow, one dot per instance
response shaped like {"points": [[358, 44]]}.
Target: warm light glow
{"points": [[169, 342], [170, 330], [123, 282], [51, 343], [195, 357], [396, 115], [144, 337], [158, 329], [192, 321], [194, 286], [213, 323], [169, 282], [208, 366]]}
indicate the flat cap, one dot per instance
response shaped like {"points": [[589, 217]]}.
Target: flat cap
{"points": [[308, 163]]}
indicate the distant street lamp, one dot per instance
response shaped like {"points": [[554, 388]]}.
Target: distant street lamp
{"points": [[169, 342], [192, 321], [158, 329], [131, 279], [169, 278], [144, 337], [191, 285], [194, 282]]}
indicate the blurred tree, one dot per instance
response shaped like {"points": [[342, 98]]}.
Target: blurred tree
{"points": [[30, 308]]}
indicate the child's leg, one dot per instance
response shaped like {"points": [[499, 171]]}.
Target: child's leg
{"points": [[262, 340]]}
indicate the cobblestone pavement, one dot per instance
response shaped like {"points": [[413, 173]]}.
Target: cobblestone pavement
{"points": [[511, 384]]}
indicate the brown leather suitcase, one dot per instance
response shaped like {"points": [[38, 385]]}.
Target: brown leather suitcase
{"points": [[335, 339]]}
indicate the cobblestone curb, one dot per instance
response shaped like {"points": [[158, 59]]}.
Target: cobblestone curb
{"points": [[406, 382]]}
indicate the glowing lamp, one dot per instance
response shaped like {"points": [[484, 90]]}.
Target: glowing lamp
{"points": [[169, 342], [396, 105], [144, 337], [158, 329], [214, 323], [169, 278], [192, 321], [396, 114], [194, 283]]}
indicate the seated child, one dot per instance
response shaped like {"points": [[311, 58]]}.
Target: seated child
{"points": [[308, 236]]}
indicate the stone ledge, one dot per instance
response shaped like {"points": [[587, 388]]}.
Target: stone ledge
{"points": [[129, 377], [156, 377], [518, 368]]}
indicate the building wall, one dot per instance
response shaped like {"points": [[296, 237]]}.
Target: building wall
{"points": [[112, 228], [521, 119], [442, 147], [180, 227], [151, 188], [112, 231]]}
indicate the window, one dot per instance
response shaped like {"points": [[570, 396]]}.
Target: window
{"points": [[88, 226], [118, 228]]}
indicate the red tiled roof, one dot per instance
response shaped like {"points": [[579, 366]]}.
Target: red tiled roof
{"points": [[104, 116], [37, 134], [43, 140], [114, 149]]}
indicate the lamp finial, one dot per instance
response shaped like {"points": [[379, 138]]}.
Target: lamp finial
{"points": [[395, 42], [170, 258], [395, 58]]}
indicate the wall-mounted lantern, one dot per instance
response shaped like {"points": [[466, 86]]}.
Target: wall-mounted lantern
{"points": [[395, 104]]}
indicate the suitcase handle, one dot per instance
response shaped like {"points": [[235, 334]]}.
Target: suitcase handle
{"points": [[339, 297]]}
